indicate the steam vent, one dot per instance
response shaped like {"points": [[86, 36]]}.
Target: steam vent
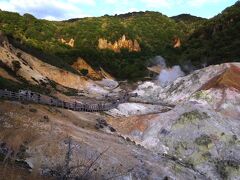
{"points": [[88, 95]]}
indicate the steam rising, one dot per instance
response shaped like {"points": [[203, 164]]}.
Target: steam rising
{"points": [[167, 75], [159, 60]]}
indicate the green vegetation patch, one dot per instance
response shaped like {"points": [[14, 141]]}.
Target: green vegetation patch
{"points": [[216, 41], [154, 32], [84, 72], [16, 65], [191, 117], [212, 41], [203, 140], [202, 95], [225, 166]]}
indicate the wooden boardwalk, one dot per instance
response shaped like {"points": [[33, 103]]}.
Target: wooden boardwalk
{"points": [[36, 98]]}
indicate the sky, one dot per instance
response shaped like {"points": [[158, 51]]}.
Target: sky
{"points": [[66, 9]]}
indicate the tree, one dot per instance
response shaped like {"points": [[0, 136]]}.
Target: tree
{"points": [[84, 72]]}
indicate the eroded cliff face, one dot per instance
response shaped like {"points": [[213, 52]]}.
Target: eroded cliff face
{"points": [[9, 58], [122, 43], [69, 43], [37, 72], [177, 42], [81, 64]]}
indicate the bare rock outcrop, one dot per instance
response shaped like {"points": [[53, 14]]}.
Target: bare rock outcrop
{"points": [[69, 43], [202, 129], [38, 72], [177, 42], [182, 88], [81, 64], [122, 43], [9, 57]]}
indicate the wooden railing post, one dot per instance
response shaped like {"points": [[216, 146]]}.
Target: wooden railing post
{"points": [[37, 98]]}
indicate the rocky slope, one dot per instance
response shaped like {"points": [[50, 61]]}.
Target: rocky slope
{"points": [[32, 70], [81, 65], [186, 130], [224, 75], [39, 137], [201, 129]]}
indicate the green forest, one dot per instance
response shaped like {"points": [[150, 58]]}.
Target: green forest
{"points": [[208, 41]]}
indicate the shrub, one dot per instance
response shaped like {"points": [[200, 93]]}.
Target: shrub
{"points": [[16, 65], [33, 110], [84, 72]]}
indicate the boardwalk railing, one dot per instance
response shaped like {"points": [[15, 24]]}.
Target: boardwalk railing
{"points": [[33, 97]]}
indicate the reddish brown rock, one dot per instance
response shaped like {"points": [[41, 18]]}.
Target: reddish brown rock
{"points": [[230, 78], [177, 43], [81, 64], [130, 124]]}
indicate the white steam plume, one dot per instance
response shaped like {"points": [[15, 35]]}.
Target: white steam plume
{"points": [[167, 75]]}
